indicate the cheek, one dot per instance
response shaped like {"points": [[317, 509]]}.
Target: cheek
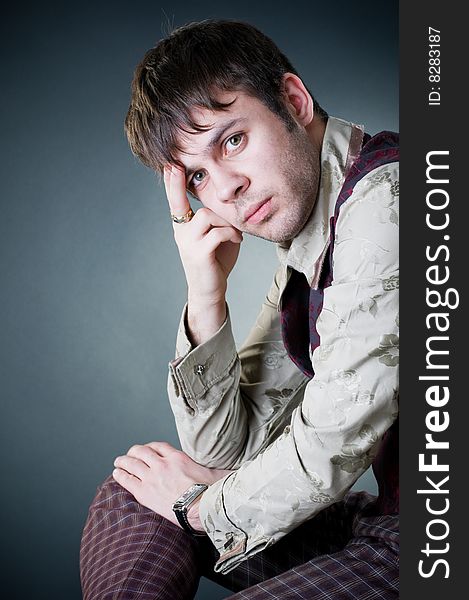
{"points": [[267, 165]]}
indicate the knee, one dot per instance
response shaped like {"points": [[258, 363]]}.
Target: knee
{"points": [[114, 509], [115, 520], [121, 537], [110, 495]]}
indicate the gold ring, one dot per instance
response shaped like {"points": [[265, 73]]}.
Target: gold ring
{"points": [[185, 218]]}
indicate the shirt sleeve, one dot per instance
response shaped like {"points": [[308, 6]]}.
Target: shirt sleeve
{"points": [[334, 434], [229, 405]]}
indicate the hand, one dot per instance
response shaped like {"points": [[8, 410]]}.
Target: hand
{"points": [[156, 474], [208, 245]]}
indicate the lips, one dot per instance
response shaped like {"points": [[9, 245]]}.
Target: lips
{"points": [[251, 212]]}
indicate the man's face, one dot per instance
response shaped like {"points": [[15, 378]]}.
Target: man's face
{"points": [[250, 170]]}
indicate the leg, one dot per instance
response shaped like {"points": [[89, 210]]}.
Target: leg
{"points": [[366, 573], [129, 552], [367, 568]]}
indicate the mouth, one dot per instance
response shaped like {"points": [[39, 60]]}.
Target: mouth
{"points": [[258, 212]]}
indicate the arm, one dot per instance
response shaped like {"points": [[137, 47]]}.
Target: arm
{"points": [[222, 412], [237, 403], [348, 405]]}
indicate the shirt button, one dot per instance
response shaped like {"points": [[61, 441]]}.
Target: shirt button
{"points": [[199, 369]]}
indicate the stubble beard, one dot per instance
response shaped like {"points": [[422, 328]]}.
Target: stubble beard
{"points": [[301, 174]]}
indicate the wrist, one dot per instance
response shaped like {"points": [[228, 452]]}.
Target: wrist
{"points": [[204, 319], [201, 302], [193, 515]]}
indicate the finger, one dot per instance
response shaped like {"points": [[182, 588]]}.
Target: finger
{"points": [[133, 466], [127, 481], [145, 454], [204, 219], [166, 174], [162, 448], [176, 191], [218, 235]]}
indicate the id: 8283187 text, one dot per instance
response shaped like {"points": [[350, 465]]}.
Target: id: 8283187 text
{"points": [[434, 66]]}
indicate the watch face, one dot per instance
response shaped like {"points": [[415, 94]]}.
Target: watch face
{"points": [[190, 495]]}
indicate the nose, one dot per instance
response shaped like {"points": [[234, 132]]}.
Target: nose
{"points": [[229, 185]]}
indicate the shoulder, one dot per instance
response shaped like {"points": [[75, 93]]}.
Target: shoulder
{"points": [[374, 200], [382, 179], [367, 228]]}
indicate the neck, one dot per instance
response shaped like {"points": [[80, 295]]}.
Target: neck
{"points": [[316, 130]]}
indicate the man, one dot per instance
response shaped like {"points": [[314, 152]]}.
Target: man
{"points": [[275, 435]]}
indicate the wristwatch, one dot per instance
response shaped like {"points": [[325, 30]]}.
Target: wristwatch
{"points": [[182, 504]]}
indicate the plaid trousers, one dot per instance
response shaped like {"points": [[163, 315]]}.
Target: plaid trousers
{"points": [[129, 552]]}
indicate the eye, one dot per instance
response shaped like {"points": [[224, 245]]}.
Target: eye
{"points": [[234, 141], [197, 178]]}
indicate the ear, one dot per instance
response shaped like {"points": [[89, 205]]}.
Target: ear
{"points": [[298, 99]]}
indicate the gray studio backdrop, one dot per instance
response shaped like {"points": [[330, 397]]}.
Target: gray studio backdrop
{"points": [[92, 287]]}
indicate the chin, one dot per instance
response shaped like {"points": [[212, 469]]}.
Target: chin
{"points": [[277, 237], [288, 228]]}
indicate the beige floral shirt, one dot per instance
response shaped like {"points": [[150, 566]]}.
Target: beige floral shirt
{"points": [[297, 445]]}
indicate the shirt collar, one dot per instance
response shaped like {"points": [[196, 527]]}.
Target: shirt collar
{"points": [[341, 145]]}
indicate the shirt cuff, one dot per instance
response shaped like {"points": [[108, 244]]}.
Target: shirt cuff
{"points": [[233, 543], [195, 370]]}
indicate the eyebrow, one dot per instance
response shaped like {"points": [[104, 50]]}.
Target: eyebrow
{"points": [[215, 140]]}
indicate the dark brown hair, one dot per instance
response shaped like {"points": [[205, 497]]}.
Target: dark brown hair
{"points": [[186, 69]]}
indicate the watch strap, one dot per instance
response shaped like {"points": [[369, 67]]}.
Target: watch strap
{"points": [[181, 516]]}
